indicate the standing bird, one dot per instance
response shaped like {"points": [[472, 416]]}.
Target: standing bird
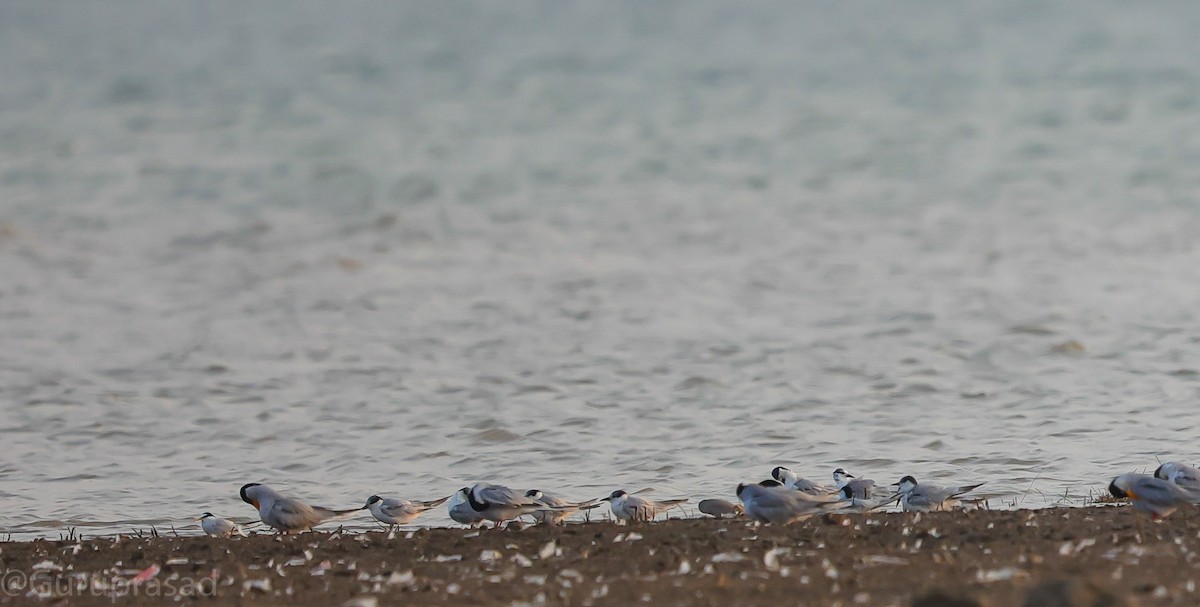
{"points": [[499, 504], [565, 508], [287, 514], [1179, 473], [216, 526], [632, 508], [928, 498], [391, 511], [789, 479], [461, 510], [771, 503], [1154, 495]]}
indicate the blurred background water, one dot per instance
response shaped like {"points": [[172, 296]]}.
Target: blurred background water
{"points": [[395, 248]]}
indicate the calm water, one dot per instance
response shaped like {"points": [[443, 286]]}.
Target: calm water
{"points": [[395, 249]]}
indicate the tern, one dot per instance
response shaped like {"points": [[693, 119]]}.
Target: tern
{"points": [[560, 508], [391, 511], [770, 503], [789, 479], [1153, 495], [216, 526], [860, 488], [859, 491], [287, 514], [499, 504], [627, 507], [461, 510], [1181, 474], [928, 498]]}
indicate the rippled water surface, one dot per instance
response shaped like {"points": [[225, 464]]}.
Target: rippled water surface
{"points": [[398, 247]]}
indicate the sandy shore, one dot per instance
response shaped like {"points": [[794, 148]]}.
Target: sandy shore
{"points": [[995, 557]]}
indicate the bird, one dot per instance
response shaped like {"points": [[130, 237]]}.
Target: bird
{"points": [[565, 508], [720, 508], [627, 507], [391, 511], [928, 498], [859, 491], [774, 503], [461, 511], [1181, 474], [1153, 495], [863, 504], [286, 514], [216, 526], [860, 488], [789, 479], [499, 504]]}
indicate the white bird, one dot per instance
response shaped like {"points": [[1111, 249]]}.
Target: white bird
{"points": [[1181, 474], [1153, 495], [391, 511], [560, 508], [461, 510], [789, 479], [928, 498], [499, 504], [720, 508], [627, 507], [218, 527], [773, 503], [286, 514]]}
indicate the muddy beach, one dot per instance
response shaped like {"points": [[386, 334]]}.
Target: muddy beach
{"points": [[991, 557]]}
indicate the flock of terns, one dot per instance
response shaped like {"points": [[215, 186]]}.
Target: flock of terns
{"points": [[782, 499]]}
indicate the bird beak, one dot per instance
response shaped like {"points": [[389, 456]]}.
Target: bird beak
{"points": [[255, 502], [606, 499]]}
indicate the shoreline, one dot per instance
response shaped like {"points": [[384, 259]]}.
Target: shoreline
{"points": [[992, 556]]}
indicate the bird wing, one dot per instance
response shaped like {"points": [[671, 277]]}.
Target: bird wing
{"points": [[928, 496], [503, 496], [562, 505], [957, 491], [784, 505], [664, 505], [767, 496], [1162, 493], [401, 508], [291, 514], [806, 486], [463, 513], [861, 488]]}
